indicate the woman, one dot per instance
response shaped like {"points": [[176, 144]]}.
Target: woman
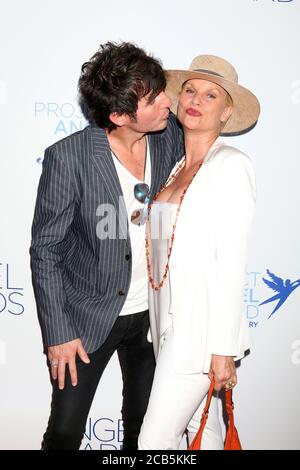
{"points": [[196, 244]]}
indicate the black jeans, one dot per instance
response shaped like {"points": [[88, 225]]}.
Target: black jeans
{"points": [[70, 406]]}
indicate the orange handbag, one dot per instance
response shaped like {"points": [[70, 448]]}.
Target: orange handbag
{"points": [[232, 441]]}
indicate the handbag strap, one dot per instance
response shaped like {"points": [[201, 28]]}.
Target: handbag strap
{"points": [[209, 397], [228, 399], [229, 408]]}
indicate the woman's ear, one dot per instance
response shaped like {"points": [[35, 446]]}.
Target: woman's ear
{"points": [[226, 114]]}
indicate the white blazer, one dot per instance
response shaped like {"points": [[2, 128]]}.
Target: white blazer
{"points": [[208, 262]]}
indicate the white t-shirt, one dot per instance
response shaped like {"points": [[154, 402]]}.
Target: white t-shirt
{"points": [[137, 298]]}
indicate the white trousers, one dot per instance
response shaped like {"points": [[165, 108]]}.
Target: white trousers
{"points": [[176, 404]]}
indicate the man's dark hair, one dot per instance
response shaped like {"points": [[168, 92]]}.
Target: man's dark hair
{"points": [[115, 79]]}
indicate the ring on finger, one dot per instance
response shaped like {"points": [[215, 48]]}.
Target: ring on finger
{"points": [[54, 363], [230, 385]]}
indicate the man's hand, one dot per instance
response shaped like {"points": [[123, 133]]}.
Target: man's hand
{"points": [[63, 354], [222, 369]]}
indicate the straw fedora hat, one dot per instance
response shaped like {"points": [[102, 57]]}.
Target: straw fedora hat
{"points": [[246, 107]]}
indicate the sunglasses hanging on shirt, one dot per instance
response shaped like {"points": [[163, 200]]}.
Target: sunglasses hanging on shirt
{"points": [[141, 193]]}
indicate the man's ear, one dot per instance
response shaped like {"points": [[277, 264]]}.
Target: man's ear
{"points": [[118, 119]]}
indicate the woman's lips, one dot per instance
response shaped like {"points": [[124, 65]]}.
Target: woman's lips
{"points": [[193, 112]]}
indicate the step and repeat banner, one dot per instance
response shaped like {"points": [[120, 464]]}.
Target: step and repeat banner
{"points": [[43, 45]]}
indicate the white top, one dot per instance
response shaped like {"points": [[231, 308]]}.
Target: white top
{"points": [[137, 298], [159, 229]]}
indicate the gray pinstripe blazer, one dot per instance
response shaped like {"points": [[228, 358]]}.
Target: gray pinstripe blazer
{"points": [[81, 282]]}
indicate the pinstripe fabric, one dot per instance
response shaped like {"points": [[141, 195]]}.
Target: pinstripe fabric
{"points": [[76, 276]]}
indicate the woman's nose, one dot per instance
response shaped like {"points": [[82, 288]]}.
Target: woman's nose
{"points": [[196, 99]]}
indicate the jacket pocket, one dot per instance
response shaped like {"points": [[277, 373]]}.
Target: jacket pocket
{"points": [[80, 283]]}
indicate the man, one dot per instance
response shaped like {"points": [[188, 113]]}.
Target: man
{"points": [[87, 257]]}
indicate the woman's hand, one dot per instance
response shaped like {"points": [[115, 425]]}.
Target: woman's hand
{"points": [[222, 369]]}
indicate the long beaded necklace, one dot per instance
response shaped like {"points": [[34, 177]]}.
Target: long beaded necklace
{"points": [[170, 247]]}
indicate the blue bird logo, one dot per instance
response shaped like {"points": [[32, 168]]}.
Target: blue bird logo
{"points": [[284, 289]]}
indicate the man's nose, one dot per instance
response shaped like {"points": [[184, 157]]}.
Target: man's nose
{"points": [[166, 100]]}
